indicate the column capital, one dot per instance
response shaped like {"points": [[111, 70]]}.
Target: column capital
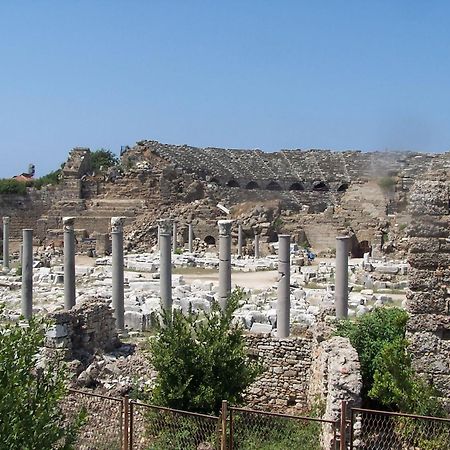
{"points": [[224, 227], [165, 226], [117, 224], [68, 223], [6, 220]]}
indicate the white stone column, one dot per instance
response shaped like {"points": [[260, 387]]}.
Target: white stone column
{"points": [[239, 246], [6, 221], [190, 237], [27, 273], [69, 262], [224, 261], [165, 264], [284, 282], [341, 277], [256, 245], [174, 237], [118, 302]]}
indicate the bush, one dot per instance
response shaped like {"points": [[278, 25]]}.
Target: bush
{"points": [[12, 186], [30, 412], [369, 333], [103, 158], [51, 178], [388, 377], [201, 360], [386, 183]]}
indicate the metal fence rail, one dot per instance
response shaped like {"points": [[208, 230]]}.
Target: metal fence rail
{"points": [[103, 429], [381, 430], [252, 430], [159, 428]]}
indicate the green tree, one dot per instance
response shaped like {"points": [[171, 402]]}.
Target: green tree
{"points": [[103, 158], [30, 411], [201, 360], [388, 376], [369, 333]]}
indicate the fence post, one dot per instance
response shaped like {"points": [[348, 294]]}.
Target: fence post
{"points": [[223, 440], [126, 423], [343, 427]]}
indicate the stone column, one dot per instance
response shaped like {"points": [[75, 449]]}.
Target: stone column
{"points": [[341, 277], [165, 264], [256, 245], [174, 237], [239, 249], [284, 281], [27, 274], [190, 237], [6, 221], [118, 271], [224, 261], [69, 263]]}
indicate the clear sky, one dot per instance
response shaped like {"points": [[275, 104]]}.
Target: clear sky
{"points": [[368, 75]]}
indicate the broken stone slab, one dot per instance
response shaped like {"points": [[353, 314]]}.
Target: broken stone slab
{"points": [[259, 328]]}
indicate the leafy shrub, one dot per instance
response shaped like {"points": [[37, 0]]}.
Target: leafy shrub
{"points": [[201, 360], [386, 183], [103, 158], [12, 186], [369, 333], [51, 178], [30, 412], [388, 377]]}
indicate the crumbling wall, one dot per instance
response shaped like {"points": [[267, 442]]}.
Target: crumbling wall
{"points": [[88, 327], [428, 299], [286, 364]]}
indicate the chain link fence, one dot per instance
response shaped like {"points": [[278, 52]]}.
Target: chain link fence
{"points": [[379, 430], [158, 428], [257, 430], [103, 426]]}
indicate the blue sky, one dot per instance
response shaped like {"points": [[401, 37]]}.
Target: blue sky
{"points": [[368, 75]]}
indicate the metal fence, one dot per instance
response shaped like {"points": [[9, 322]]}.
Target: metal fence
{"points": [[120, 424], [103, 426], [158, 428], [254, 430], [381, 430]]}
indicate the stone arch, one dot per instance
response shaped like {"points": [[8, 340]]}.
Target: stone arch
{"points": [[252, 185], [233, 183], [210, 240], [273, 186], [320, 186], [342, 187], [297, 186]]}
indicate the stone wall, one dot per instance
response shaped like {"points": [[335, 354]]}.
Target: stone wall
{"points": [[88, 327], [428, 298], [286, 364]]}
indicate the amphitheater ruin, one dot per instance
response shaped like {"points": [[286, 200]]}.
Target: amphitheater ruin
{"points": [[309, 235]]}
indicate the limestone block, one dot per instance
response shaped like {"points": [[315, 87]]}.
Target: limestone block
{"points": [[260, 328], [428, 302]]}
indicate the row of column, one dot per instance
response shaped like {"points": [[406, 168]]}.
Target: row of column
{"points": [[166, 228], [191, 239]]}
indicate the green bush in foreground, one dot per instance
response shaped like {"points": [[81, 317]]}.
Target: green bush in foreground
{"points": [[201, 360], [30, 412]]}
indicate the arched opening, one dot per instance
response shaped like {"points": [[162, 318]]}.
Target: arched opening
{"points": [[215, 181], [320, 186], [252, 185], [343, 187], [273, 186], [209, 240], [233, 183], [296, 187]]}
